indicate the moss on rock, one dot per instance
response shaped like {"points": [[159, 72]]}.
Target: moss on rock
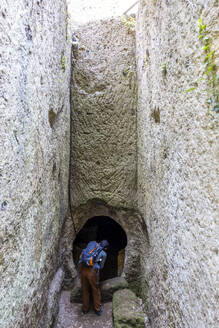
{"points": [[127, 312]]}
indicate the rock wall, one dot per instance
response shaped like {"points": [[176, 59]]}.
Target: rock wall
{"points": [[34, 160], [104, 132], [104, 119], [177, 164], [134, 227]]}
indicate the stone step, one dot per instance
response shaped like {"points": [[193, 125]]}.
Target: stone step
{"points": [[108, 287]]}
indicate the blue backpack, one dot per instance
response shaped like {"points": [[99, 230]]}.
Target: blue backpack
{"points": [[90, 253]]}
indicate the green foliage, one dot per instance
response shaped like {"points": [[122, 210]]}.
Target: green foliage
{"points": [[146, 62], [127, 72], [63, 63], [191, 89], [130, 22], [164, 69], [209, 68]]}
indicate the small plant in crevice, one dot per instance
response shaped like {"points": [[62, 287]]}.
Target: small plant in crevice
{"points": [[209, 69], [130, 22], [127, 72], [63, 62], [146, 61], [163, 69]]}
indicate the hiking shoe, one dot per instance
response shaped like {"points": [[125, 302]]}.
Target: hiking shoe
{"points": [[99, 313], [85, 311]]}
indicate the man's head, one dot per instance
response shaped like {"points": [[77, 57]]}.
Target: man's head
{"points": [[104, 244]]}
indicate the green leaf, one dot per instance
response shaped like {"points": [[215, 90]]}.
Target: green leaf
{"points": [[200, 22], [209, 69], [190, 89], [206, 47], [203, 27], [208, 56]]}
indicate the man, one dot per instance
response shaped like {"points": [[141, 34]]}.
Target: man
{"points": [[90, 278]]}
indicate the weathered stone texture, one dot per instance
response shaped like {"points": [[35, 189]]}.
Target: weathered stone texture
{"points": [[108, 288], [53, 299], [104, 119], [127, 312], [134, 227], [34, 155], [177, 165]]}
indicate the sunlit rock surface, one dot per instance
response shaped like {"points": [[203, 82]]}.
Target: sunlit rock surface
{"points": [[84, 11], [177, 163]]}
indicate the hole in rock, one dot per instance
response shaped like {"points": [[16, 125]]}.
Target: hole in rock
{"points": [[156, 115], [99, 228]]}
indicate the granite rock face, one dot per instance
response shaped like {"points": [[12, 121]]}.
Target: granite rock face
{"points": [[177, 164], [127, 312], [104, 120], [34, 160]]}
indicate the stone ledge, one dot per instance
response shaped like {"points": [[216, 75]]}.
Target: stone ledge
{"points": [[108, 288]]}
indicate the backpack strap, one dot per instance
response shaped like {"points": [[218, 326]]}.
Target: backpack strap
{"points": [[93, 250]]}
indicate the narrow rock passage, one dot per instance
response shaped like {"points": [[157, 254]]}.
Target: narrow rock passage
{"points": [[70, 315]]}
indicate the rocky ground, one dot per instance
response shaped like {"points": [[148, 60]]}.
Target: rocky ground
{"points": [[70, 315]]}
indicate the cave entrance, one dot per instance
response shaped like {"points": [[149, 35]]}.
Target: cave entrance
{"points": [[99, 228]]}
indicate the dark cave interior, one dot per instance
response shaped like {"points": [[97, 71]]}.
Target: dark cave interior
{"points": [[99, 228]]}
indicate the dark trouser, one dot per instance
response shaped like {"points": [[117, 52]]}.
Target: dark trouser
{"points": [[89, 278]]}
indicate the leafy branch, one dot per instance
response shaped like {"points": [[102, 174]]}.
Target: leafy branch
{"points": [[209, 67]]}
